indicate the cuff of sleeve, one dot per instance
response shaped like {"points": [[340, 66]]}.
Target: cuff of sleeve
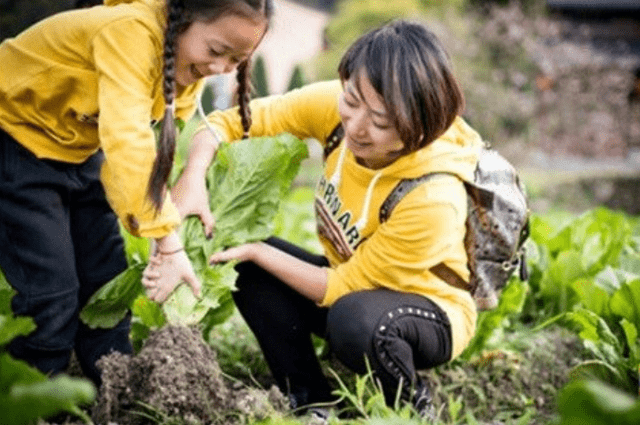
{"points": [[219, 135], [166, 222], [332, 294]]}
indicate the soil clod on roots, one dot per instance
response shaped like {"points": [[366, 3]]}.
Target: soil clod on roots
{"points": [[176, 374]]}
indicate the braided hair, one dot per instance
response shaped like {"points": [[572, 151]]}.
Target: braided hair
{"points": [[180, 14], [243, 77]]}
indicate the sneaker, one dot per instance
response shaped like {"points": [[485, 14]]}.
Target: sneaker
{"points": [[318, 416], [423, 403]]}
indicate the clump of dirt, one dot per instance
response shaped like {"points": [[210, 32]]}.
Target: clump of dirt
{"points": [[176, 375]]}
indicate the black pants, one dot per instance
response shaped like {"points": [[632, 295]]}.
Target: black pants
{"points": [[397, 332], [59, 243]]}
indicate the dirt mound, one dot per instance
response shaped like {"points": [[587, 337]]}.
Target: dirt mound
{"points": [[176, 374]]}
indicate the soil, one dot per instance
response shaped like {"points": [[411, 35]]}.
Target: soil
{"points": [[503, 385], [176, 375]]}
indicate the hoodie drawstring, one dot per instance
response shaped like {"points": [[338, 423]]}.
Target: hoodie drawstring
{"points": [[364, 213], [337, 173], [336, 177]]}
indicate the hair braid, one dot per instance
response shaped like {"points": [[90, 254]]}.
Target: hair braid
{"points": [[167, 139], [243, 76]]}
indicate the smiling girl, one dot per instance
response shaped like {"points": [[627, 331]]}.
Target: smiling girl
{"points": [[393, 115], [79, 93]]}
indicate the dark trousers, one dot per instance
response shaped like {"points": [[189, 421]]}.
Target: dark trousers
{"points": [[397, 333], [59, 243]]}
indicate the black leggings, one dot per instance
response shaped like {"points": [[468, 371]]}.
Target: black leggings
{"points": [[397, 332]]}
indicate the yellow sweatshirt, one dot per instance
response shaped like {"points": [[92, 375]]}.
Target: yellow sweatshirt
{"points": [[91, 79], [427, 226]]}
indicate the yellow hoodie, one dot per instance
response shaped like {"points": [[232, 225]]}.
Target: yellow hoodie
{"points": [[91, 79], [427, 226]]}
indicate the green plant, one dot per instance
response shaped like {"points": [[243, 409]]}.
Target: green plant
{"points": [[26, 394], [592, 402], [586, 274], [259, 79], [246, 182], [297, 79]]}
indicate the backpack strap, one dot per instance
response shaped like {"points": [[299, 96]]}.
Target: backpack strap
{"points": [[333, 140], [405, 186], [402, 188]]}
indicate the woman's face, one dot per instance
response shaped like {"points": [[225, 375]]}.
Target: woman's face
{"points": [[369, 132], [216, 47]]}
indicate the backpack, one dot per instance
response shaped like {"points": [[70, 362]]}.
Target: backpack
{"points": [[497, 224]]}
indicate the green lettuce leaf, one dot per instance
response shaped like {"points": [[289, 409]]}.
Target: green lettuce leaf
{"points": [[27, 395], [246, 183], [110, 304], [596, 403]]}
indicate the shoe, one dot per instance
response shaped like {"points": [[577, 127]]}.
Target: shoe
{"points": [[423, 403], [317, 416]]}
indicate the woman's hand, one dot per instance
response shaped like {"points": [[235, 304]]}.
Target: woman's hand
{"points": [[306, 278], [240, 252], [190, 197]]}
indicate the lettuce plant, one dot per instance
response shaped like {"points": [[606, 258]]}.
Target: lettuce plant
{"points": [[246, 182]]}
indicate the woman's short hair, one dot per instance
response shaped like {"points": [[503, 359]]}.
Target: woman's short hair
{"points": [[411, 71]]}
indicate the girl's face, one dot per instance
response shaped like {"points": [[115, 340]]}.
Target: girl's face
{"points": [[369, 132], [216, 47]]}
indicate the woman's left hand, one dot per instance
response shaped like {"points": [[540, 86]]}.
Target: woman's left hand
{"points": [[240, 252]]}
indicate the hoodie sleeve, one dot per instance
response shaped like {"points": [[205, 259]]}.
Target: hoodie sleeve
{"points": [[427, 227], [128, 66], [307, 112]]}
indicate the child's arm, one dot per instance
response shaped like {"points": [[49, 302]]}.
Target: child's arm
{"points": [[307, 112], [189, 194]]}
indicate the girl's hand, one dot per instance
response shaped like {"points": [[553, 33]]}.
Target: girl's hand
{"points": [[165, 271], [190, 197]]}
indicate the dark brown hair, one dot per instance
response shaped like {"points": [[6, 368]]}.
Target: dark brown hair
{"points": [[410, 69], [180, 14]]}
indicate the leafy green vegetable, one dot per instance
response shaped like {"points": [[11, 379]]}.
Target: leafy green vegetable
{"points": [[491, 322], [26, 394], [110, 304], [615, 361], [596, 403], [246, 183]]}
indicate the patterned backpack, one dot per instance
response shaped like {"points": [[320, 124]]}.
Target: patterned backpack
{"points": [[497, 225]]}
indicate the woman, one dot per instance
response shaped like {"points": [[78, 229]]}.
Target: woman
{"points": [[79, 92], [372, 293]]}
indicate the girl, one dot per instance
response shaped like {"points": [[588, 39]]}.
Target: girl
{"points": [[78, 94], [374, 294]]}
